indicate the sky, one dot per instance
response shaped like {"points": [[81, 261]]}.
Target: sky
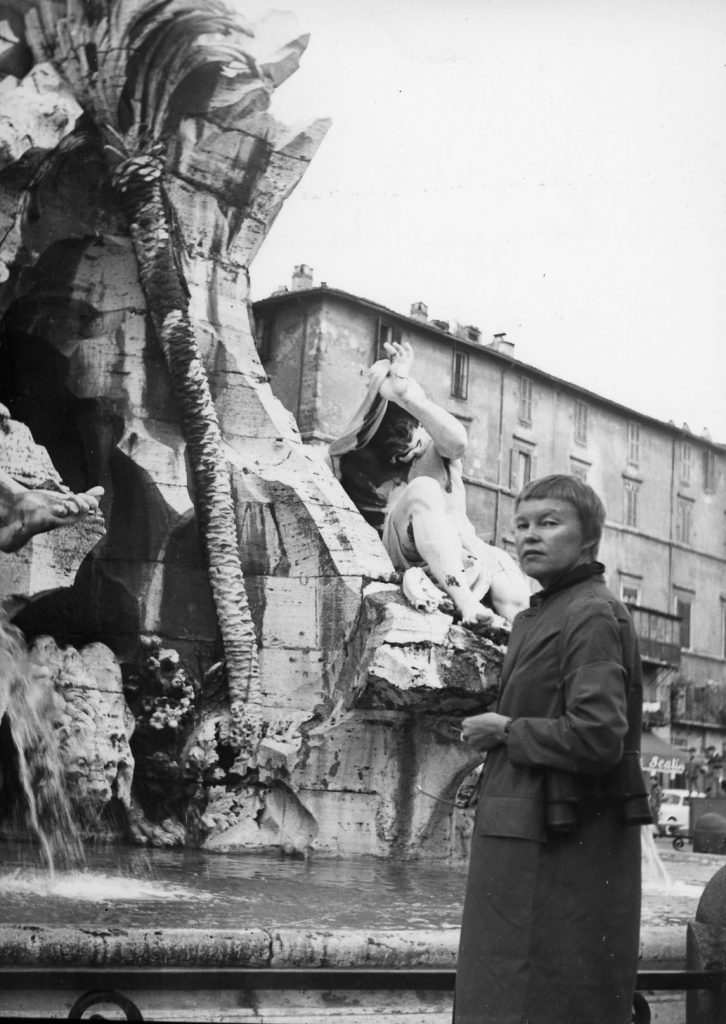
{"points": [[552, 169]]}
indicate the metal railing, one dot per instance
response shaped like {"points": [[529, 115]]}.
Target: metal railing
{"points": [[111, 984], [659, 634]]}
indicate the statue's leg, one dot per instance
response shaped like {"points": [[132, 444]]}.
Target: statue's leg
{"points": [[509, 589], [418, 529]]}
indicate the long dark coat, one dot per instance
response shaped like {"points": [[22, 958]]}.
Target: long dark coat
{"points": [[550, 930]]}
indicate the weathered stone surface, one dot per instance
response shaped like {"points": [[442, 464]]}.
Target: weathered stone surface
{"points": [[706, 951], [273, 818], [94, 725], [84, 362], [169, 947], [37, 111], [49, 560], [409, 948]]}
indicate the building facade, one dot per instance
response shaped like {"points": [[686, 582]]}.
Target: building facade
{"points": [[664, 489]]}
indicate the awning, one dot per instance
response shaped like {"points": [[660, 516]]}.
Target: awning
{"points": [[658, 756]]}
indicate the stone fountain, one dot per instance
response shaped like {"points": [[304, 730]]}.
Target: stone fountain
{"points": [[232, 663], [233, 607]]}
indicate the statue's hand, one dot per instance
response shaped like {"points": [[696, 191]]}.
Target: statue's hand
{"points": [[419, 591], [396, 387], [400, 354]]}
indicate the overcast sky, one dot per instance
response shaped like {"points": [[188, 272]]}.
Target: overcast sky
{"points": [[555, 169]]}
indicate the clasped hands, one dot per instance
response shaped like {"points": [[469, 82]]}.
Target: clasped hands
{"points": [[484, 732]]}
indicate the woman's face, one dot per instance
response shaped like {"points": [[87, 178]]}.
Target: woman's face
{"points": [[549, 538]]}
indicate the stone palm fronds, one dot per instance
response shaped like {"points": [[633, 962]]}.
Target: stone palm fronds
{"points": [[137, 67]]}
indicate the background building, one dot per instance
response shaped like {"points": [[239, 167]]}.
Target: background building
{"points": [[664, 544]]}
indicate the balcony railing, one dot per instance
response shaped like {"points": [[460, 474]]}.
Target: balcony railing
{"points": [[702, 704], [659, 635]]}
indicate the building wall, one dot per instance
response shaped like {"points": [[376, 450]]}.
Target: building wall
{"points": [[522, 422]]}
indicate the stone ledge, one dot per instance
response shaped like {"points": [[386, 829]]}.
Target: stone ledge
{"points": [[24, 945]]}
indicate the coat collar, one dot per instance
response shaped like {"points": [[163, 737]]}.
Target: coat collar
{"points": [[568, 579]]}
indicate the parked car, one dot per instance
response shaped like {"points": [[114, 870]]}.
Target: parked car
{"points": [[675, 814]]}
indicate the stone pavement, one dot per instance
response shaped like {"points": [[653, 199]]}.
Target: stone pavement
{"points": [[667, 910]]}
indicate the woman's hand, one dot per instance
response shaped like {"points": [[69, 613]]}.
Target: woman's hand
{"points": [[484, 732]]}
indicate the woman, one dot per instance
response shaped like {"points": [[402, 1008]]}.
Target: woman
{"points": [[552, 911]]}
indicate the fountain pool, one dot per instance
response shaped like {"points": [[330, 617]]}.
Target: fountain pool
{"points": [[141, 888]]}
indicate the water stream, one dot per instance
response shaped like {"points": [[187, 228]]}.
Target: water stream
{"points": [[26, 700], [655, 873]]}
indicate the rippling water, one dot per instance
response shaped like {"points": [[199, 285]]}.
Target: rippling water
{"points": [[139, 888]]}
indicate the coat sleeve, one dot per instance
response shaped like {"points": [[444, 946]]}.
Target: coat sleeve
{"points": [[588, 736]]}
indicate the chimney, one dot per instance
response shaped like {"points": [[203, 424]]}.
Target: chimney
{"points": [[501, 344], [302, 278], [467, 332], [420, 311], [443, 325]]}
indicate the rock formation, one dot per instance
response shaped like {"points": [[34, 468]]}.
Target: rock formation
{"points": [[140, 171]]}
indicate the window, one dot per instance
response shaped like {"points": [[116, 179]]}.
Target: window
{"points": [[525, 400], [683, 609], [579, 469], [264, 328], [630, 593], [686, 454], [580, 423], [633, 443], [630, 587], [709, 471], [630, 507], [684, 520], [460, 374], [521, 469], [386, 333]]}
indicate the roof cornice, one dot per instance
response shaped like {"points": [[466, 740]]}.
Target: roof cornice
{"points": [[320, 291]]}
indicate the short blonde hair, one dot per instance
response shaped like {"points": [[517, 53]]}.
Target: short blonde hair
{"points": [[564, 487]]}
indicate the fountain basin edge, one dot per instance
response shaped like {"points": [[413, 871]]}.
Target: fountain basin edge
{"points": [[23, 947]]}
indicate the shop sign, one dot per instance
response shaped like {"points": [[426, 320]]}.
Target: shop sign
{"points": [[658, 763]]}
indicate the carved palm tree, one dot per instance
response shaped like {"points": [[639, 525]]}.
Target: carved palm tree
{"points": [[136, 67]]}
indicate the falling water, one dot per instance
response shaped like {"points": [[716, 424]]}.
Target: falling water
{"points": [[27, 699], [655, 873]]}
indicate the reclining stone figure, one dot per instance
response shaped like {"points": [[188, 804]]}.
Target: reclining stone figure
{"points": [[399, 460]]}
